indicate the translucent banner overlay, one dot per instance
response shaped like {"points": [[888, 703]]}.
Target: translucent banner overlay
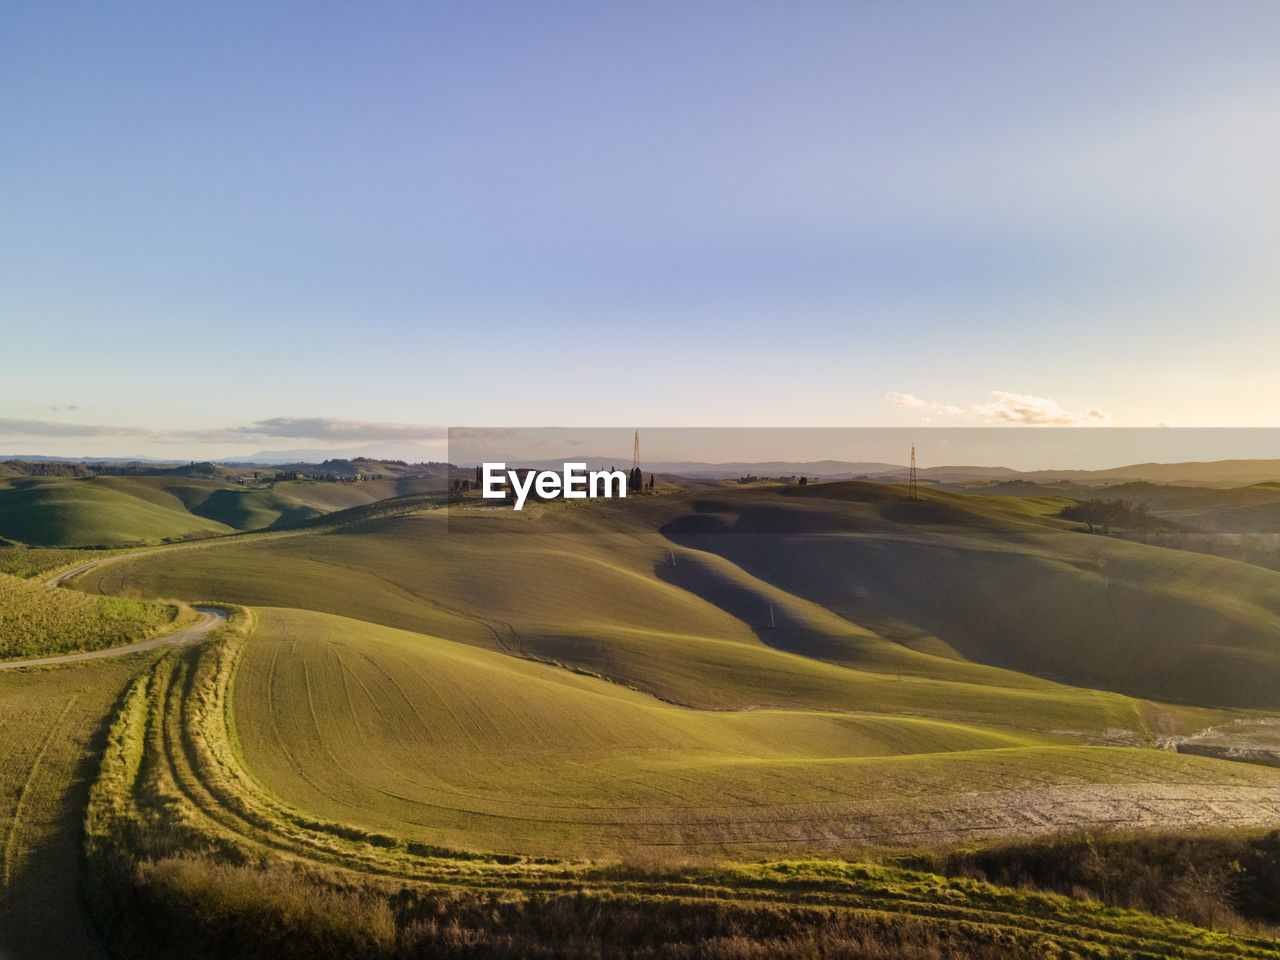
{"points": [[1190, 483]]}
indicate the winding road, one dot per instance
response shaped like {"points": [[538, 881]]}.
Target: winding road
{"points": [[213, 618]]}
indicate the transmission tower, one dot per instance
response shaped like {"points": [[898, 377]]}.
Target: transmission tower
{"points": [[915, 491], [635, 480]]}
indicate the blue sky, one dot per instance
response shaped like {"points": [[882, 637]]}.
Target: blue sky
{"points": [[226, 224]]}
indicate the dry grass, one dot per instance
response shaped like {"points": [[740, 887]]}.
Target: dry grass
{"points": [[36, 620]]}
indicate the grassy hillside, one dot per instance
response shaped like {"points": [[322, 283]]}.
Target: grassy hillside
{"points": [[604, 605], [327, 497], [979, 590], [237, 508], [128, 510], [446, 743], [450, 730], [1239, 509], [86, 512], [36, 620], [189, 855], [999, 586]]}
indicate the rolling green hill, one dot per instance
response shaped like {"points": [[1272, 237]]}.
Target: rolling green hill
{"points": [[445, 743], [998, 588], [85, 512], [605, 606], [353, 728], [327, 497], [462, 714], [110, 511], [977, 590]]}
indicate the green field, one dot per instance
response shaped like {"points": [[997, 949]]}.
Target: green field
{"points": [[440, 742], [53, 726], [627, 708], [226, 863]]}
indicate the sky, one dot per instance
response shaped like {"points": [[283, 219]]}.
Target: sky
{"points": [[237, 227]]}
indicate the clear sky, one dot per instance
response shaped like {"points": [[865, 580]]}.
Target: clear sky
{"points": [[228, 227]]}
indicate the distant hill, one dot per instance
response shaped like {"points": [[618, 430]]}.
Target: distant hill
{"points": [[1219, 473], [1213, 473], [1210, 473], [209, 470], [179, 504], [41, 458], [1254, 508], [830, 469], [408, 452], [1206, 473], [356, 467]]}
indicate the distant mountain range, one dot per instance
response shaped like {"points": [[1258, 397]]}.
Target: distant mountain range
{"points": [[38, 458], [1208, 473], [407, 452], [1193, 473]]}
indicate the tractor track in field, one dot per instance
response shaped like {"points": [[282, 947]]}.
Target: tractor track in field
{"points": [[12, 839], [869, 896]]}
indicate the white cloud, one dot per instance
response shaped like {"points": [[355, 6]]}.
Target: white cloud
{"points": [[48, 428], [1004, 405], [915, 403], [1040, 411], [330, 428], [905, 400]]}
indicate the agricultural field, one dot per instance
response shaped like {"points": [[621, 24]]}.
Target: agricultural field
{"points": [[229, 864], [440, 742], [53, 725], [773, 715]]}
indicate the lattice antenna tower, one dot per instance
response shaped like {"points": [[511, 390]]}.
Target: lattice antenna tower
{"points": [[915, 490]]}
